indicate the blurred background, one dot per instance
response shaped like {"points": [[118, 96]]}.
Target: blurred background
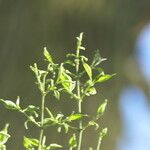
{"points": [[28, 26]]}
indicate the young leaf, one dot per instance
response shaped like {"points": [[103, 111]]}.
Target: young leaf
{"points": [[18, 102], [103, 133], [30, 142], [47, 55], [83, 58], [34, 69], [73, 141], [79, 42], [9, 104], [67, 82], [31, 110], [74, 117], [88, 69], [53, 146], [57, 94], [101, 108], [4, 136], [93, 123], [91, 91], [97, 59], [48, 121], [69, 62], [102, 78], [66, 127]]}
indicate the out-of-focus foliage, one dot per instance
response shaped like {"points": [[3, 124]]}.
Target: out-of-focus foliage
{"points": [[27, 26]]}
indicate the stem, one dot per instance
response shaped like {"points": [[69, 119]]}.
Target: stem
{"points": [[99, 143], [80, 100], [42, 123], [80, 126]]}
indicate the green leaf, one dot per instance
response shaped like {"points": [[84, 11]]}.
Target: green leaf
{"points": [[79, 42], [83, 58], [103, 133], [88, 69], [4, 136], [102, 78], [26, 124], [93, 123], [47, 55], [18, 102], [65, 79], [73, 141], [71, 55], [57, 94], [97, 59], [31, 110], [9, 104], [30, 142], [34, 69], [48, 121], [74, 117], [91, 91], [59, 116], [69, 62], [2, 147], [66, 127], [53, 146], [102, 108]]}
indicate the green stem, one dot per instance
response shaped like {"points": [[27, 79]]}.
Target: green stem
{"points": [[99, 143], [42, 122], [80, 126], [80, 100]]}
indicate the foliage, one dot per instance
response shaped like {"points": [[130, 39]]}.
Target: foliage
{"points": [[4, 136], [58, 79]]}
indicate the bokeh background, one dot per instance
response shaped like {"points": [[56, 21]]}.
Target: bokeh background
{"points": [[27, 26]]}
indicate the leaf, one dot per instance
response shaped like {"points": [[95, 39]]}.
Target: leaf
{"points": [[65, 79], [26, 124], [9, 104], [31, 110], [69, 62], [30, 142], [47, 55], [91, 91], [34, 69], [102, 78], [57, 94], [59, 129], [4, 136], [59, 116], [18, 102], [102, 108], [103, 133], [73, 141], [97, 59], [66, 126], [48, 121], [73, 117], [71, 55], [79, 42], [88, 69], [53, 146], [93, 123], [2, 147], [83, 58]]}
